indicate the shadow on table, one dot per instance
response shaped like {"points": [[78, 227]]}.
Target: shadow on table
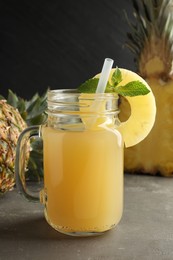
{"points": [[35, 228], [27, 225]]}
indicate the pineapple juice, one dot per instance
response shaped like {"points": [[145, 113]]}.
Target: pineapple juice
{"points": [[83, 175]]}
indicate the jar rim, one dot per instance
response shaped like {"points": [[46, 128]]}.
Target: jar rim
{"points": [[71, 101], [53, 93]]}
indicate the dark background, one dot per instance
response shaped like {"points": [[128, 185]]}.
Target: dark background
{"points": [[59, 44]]}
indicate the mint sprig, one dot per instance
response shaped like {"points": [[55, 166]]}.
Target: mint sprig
{"points": [[116, 77], [133, 88], [89, 86]]}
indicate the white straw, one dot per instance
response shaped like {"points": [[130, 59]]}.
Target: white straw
{"points": [[107, 66], [106, 69]]}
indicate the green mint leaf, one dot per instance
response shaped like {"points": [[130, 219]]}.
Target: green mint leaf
{"points": [[89, 86], [116, 77], [109, 88], [133, 88]]}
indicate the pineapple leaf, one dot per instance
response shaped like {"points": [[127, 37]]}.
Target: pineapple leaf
{"points": [[12, 99], [32, 103], [1, 97], [148, 14], [151, 34], [21, 107], [36, 110], [33, 112]]}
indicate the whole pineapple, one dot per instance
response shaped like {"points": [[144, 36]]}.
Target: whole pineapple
{"points": [[11, 125], [151, 40], [15, 115]]}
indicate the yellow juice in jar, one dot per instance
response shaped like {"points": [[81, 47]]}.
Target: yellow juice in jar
{"points": [[83, 174]]}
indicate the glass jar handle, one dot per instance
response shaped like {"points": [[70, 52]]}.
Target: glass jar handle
{"points": [[22, 151]]}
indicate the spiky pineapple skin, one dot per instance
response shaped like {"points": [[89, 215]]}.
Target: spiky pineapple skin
{"points": [[151, 41], [154, 155], [11, 125]]}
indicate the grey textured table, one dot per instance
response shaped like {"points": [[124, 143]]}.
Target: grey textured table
{"points": [[145, 231]]}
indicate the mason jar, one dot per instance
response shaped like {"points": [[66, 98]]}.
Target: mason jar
{"points": [[83, 162]]}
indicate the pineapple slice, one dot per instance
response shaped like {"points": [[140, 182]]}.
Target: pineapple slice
{"points": [[141, 114]]}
